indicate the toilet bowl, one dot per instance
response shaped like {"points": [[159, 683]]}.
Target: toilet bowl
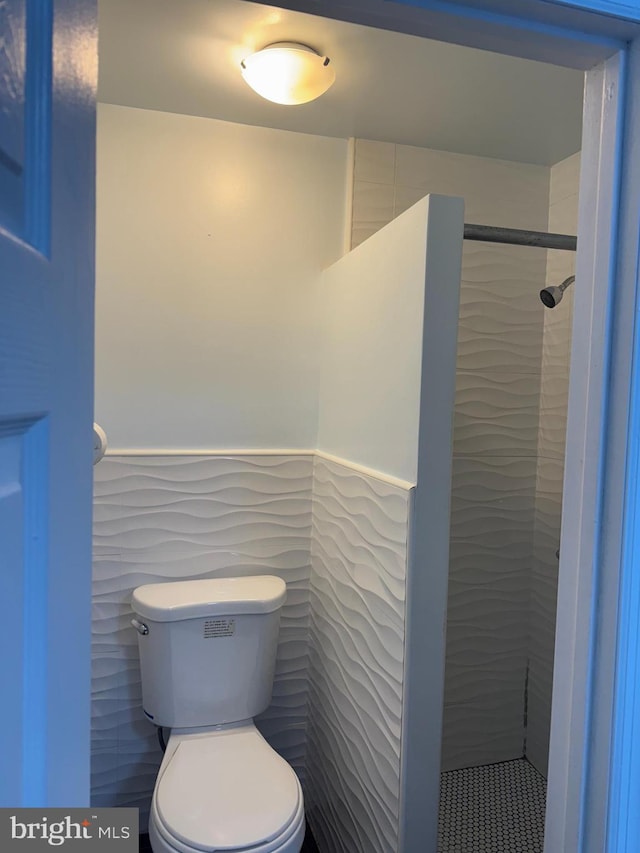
{"points": [[225, 790], [207, 658]]}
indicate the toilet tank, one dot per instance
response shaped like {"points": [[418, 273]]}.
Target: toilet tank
{"points": [[207, 648]]}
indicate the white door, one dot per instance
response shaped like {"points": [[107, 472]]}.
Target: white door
{"points": [[47, 151]]}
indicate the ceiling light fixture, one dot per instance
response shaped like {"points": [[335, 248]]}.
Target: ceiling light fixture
{"points": [[288, 73]]}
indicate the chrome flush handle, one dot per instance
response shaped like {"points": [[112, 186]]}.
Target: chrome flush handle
{"points": [[140, 627]]}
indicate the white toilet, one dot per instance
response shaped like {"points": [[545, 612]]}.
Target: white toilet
{"points": [[207, 658]]}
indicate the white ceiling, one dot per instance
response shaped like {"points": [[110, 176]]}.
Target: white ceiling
{"points": [[183, 56]]}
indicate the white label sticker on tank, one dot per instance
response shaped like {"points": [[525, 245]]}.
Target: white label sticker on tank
{"points": [[219, 628]]}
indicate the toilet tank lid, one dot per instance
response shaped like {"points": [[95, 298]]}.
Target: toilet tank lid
{"points": [[170, 602]]}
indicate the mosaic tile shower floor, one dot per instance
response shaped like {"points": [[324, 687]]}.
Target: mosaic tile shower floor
{"points": [[495, 808]]}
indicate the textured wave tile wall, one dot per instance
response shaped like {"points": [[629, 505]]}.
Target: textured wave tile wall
{"points": [[486, 653], [359, 556], [554, 392], [492, 513], [167, 518], [542, 620], [501, 327]]}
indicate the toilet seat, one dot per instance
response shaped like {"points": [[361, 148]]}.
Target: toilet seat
{"points": [[229, 791], [162, 841]]}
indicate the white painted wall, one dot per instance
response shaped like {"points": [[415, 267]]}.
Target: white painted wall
{"points": [[373, 301], [210, 240]]}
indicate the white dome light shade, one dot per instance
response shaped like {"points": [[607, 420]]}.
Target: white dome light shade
{"points": [[288, 73]]}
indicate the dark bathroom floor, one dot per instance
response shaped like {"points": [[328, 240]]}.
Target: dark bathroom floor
{"points": [[495, 808], [309, 845]]}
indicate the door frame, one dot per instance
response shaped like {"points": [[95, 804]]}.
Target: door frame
{"points": [[594, 765], [587, 583]]}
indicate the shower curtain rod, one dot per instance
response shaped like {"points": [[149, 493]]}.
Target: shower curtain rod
{"points": [[517, 237]]}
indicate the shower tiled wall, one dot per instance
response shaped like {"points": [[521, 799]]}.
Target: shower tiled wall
{"points": [[389, 178], [554, 387], [495, 430], [162, 518]]}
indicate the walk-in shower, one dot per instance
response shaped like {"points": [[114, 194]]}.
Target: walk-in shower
{"points": [[488, 801]]}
